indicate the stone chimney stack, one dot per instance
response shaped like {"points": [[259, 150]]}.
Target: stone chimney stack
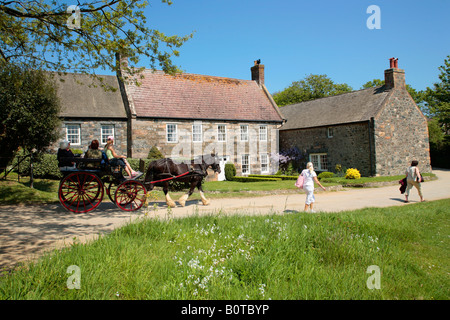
{"points": [[258, 72], [394, 77]]}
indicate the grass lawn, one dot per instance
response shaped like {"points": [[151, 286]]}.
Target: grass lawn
{"points": [[291, 256]]}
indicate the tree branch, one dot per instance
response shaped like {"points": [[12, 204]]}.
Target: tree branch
{"points": [[16, 13]]}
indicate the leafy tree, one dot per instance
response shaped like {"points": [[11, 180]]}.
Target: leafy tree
{"points": [[438, 98], [437, 105], [29, 108], [42, 34], [310, 88]]}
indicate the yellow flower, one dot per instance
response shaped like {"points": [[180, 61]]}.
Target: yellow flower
{"points": [[352, 174]]}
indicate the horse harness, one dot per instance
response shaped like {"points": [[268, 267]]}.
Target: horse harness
{"points": [[192, 171]]}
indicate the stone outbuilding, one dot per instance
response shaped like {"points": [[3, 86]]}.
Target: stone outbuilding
{"points": [[378, 130]]}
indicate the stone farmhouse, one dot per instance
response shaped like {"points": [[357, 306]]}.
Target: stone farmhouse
{"points": [[183, 115], [378, 130]]}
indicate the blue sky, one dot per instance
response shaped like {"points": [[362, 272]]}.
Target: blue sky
{"points": [[296, 38]]}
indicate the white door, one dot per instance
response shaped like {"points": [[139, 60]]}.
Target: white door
{"points": [[222, 161]]}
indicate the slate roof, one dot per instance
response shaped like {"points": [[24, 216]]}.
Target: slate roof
{"points": [[349, 107], [193, 96], [80, 100]]}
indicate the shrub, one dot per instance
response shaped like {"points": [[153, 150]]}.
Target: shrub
{"points": [[230, 171], [154, 153], [282, 177], [352, 174], [77, 151], [325, 175], [44, 166], [254, 179]]}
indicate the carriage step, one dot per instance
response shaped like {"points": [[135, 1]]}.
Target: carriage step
{"points": [[140, 174]]}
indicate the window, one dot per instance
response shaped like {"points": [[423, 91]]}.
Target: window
{"points": [[197, 132], [264, 163], [263, 133], [330, 132], [107, 130], [171, 131], [244, 132], [73, 134], [221, 133], [319, 161], [245, 164]]}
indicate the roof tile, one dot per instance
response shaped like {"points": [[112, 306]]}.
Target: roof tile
{"points": [[201, 97]]}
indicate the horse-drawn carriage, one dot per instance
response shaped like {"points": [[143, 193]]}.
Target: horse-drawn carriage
{"points": [[83, 186]]}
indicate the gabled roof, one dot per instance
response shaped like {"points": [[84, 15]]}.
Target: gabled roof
{"points": [[84, 101], [349, 107], [192, 96]]}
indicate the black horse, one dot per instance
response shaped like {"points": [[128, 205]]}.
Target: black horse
{"points": [[164, 170]]}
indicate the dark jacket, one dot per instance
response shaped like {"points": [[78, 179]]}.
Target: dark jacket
{"points": [[65, 158], [403, 185]]}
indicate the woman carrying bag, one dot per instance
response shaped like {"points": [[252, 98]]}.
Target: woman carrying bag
{"points": [[413, 178], [306, 182]]}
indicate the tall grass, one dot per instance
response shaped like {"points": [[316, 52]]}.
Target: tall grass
{"points": [[284, 256]]}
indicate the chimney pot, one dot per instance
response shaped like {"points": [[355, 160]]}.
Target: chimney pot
{"points": [[391, 62], [394, 77]]}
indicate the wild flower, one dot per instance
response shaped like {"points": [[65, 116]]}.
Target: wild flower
{"points": [[261, 289]]}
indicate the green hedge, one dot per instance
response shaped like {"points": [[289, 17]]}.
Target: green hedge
{"points": [[325, 175], [254, 179], [44, 166], [281, 177]]}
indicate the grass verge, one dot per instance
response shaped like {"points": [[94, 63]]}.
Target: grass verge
{"points": [[290, 256]]}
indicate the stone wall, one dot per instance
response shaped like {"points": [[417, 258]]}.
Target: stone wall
{"points": [[349, 145], [401, 135], [91, 129], [153, 132]]}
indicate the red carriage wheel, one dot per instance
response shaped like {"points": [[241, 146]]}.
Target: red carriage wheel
{"points": [[111, 191], [130, 195], [80, 192]]}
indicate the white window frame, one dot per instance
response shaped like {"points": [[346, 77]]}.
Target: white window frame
{"points": [[317, 160], [330, 132], [172, 137], [245, 161], [264, 160], [244, 132], [262, 133], [106, 131], [197, 132], [73, 134], [222, 134]]}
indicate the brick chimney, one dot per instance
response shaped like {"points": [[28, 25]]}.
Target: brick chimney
{"points": [[394, 77], [258, 72]]}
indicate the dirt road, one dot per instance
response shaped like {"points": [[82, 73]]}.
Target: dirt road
{"points": [[27, 231]]}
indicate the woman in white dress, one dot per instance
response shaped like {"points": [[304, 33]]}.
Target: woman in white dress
{"points": [[309, 177]]}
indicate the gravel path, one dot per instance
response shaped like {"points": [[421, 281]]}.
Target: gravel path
{"points": [[28, 231]]}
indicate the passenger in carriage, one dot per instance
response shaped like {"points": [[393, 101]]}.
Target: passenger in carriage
{"points": [[64, 156], [93, 153], [117, 160]]}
